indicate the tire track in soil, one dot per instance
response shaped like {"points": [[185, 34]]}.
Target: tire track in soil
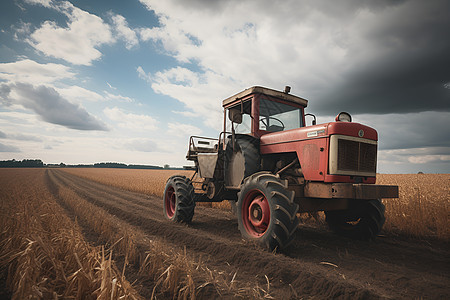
{"points": [[386, 268], [140, 204], [52, 186], [131, 270]]}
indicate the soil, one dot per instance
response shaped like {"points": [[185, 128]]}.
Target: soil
{"points": [[318, 264]]}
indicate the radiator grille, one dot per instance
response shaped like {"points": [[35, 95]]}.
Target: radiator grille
{"points": [[355, 156]]}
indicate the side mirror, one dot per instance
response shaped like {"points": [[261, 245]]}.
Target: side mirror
{"points": [[235, 115], [314, 120]]}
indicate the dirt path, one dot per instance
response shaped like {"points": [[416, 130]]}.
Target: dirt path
{"points": [[317, 264]]}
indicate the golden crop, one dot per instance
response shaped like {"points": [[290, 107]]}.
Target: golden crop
{"points": [[423, 208], [142, 181], [45, 251], [48, 257]]}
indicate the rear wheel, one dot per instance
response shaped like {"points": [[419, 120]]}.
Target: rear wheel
{"points": [[179, 199], [363, 221], [266, 211]]}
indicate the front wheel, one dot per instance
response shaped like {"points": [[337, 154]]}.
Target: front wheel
{"points": [[178, 199], [362, 221], [266, 211]]}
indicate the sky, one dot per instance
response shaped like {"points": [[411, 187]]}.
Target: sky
{"points": [[129, 81]]}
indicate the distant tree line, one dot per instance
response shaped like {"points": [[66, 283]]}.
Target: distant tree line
{"points": [[110, 165], [26, 163], [37, 163], [124, 166]]}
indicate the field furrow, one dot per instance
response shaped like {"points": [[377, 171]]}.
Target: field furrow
{"points": [[209, 259], [379, 269], [223, 240]]}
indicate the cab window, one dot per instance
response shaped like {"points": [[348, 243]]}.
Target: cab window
{"points": [[275, 116]]}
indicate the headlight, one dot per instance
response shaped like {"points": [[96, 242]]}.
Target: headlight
{"points": [[343, 117]]}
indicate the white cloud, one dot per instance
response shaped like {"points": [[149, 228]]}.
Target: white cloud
{"points": [[142, 75], [124, 32], [110, 86], [78, 42], [45, 3], [77, 94], [179, 129], [423, 159], [427, 159], [130, 120], [253, 42], [29, 71], [8, 148], [117, 97], [10, 119], [185, 113], [202, 94], [238, 45], [20, 137], [142, 145], [21, 30]]}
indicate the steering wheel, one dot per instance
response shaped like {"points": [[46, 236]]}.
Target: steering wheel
{"points": [[273, 118]]}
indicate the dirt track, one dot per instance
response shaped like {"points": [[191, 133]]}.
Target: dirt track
{"points": [[318, 264]]}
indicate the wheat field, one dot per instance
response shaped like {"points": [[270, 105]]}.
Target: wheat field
{"points": [[44, 253], [142, 181], [423, 206], [422, 209]]}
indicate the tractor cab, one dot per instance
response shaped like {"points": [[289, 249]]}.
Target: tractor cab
{"points": [[257, 111]]}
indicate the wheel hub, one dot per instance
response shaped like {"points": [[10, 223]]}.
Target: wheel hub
{"points": [[170, 199], [259, 212]]}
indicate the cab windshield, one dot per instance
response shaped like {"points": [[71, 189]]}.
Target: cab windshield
{"points": [[275, 116]]}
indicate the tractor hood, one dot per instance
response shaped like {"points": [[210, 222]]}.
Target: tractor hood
{"points": [[320, 131], [317, 148]]}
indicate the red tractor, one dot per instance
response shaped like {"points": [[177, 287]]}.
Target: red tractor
{"points": [[271, 166]]}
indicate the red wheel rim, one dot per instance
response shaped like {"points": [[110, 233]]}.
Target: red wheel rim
{"points": [[256, 213], [169, 201]]}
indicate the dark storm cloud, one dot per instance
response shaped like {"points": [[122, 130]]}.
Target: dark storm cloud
{"points": [[407, 66], [406, 131], [51, 107], [343, 9]]}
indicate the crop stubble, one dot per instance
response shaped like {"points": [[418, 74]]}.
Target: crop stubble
{"points": [[208, 257], [43, 253], [422, 210]]}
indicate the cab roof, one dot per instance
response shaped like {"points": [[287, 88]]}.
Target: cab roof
{"points": [[266, 91]]}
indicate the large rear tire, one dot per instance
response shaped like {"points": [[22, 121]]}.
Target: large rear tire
{"points": [[363, 221], [266, 211], [178, 199]]}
